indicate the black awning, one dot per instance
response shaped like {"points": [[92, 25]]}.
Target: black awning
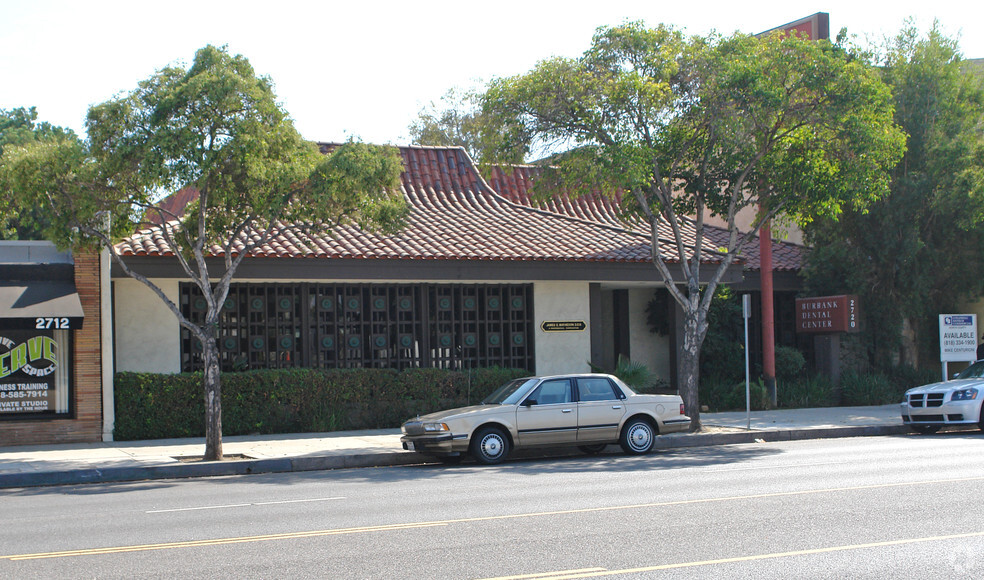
{"points": [[39, 304]]}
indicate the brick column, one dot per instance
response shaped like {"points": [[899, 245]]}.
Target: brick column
{"points": [[85, 381]]}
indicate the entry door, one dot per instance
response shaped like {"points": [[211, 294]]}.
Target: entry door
{"points": [[553, 419], [599, 410]]}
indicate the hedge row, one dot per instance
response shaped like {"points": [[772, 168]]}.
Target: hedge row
{"points": [[157, 406]]}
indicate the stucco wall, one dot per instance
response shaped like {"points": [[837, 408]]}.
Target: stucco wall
{"points": [[562, 352], [146, 330], [646, 347]]}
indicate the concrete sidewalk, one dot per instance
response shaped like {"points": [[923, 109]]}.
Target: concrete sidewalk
{"points": [[24, 466]]}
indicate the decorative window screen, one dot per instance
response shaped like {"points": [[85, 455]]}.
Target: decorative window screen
{"points": [[366, 325]]}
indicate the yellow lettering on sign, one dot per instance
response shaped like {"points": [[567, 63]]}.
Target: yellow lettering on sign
{"points": [[18, 357], [34, 348], [49, 349]]}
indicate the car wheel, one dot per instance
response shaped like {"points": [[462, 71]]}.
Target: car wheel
{"points": [[490, 446], [925, 429], [638, 437], [592, 449]]}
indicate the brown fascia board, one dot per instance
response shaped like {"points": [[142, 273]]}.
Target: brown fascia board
{"points": [[782, 281], [430, 271], [37, 272]]}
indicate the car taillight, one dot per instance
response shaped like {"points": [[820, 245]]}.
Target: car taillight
{"points": [[681, 408]]}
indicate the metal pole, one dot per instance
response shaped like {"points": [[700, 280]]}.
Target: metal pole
{"points": [[746, 308]]}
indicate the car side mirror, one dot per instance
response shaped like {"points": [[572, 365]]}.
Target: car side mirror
{"points": [[529, 402]]}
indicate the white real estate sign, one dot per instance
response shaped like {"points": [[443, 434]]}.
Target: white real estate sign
{"points": [[958, 337]]}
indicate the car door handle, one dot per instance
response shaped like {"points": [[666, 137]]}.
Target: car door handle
{"points": [[566, 410], [616, 406]]}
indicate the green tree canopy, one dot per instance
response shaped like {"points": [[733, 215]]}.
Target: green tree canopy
{"points": [[216, 127], [19, 127], [459, 121], [917, 251], [686, 125]]}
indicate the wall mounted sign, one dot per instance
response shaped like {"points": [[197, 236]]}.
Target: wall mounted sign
{"points": [[563, 326], [39, 305], [826, 314], [31, 375]]}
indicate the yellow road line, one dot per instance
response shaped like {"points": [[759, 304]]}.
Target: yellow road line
{"points": [[218, 541], [415, 525], [597, 573], [550, 575]]}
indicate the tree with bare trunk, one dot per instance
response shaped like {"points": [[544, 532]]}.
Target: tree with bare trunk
{"points": [[214, 127], [683, 126]]}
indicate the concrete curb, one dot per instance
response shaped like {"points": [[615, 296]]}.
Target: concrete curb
{"points": [[384, 459], [708, 439]]}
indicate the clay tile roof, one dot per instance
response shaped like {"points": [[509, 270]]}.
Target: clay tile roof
{"points": [[515, 182], [456, 215]]}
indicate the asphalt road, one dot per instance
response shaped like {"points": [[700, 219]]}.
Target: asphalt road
{"points": [[874, 507]]}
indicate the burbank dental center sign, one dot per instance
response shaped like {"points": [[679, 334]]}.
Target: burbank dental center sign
{"points": [[32, 377]]}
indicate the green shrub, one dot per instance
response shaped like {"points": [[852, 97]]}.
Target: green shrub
{"points": [[789, 362], [722, 355], [883, 387], [155, 406], [716, 395], [862, 389], [636, 375], [906, 377], [722, 396], [152, 406], [804, 392]]}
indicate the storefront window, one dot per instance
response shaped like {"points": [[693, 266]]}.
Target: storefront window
{"points": [[34, 372], [394, 326]]}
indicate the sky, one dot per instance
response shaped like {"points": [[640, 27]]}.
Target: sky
{"points": [[366, 69]]}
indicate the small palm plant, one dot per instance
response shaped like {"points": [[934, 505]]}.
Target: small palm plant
{"points": [[636, 375]]}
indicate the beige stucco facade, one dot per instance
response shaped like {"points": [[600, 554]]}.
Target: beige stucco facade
{"points": [[146, 330], [783, 229], [648, 348], [568, 351]]}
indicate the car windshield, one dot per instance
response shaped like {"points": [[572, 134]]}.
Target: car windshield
{"points": [[509, 393], [974, 371]]}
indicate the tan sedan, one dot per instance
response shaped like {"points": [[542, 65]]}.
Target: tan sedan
{"points": [[587, 410]]}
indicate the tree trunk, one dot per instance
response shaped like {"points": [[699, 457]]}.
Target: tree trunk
{"points": [[689, 371], [689, 368], [213, 400]]}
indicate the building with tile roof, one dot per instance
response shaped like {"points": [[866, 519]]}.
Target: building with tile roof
{"points": [[482, 275]]}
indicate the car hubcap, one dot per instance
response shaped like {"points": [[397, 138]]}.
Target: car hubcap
{"points": [[491, 446], [640, 437]]}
